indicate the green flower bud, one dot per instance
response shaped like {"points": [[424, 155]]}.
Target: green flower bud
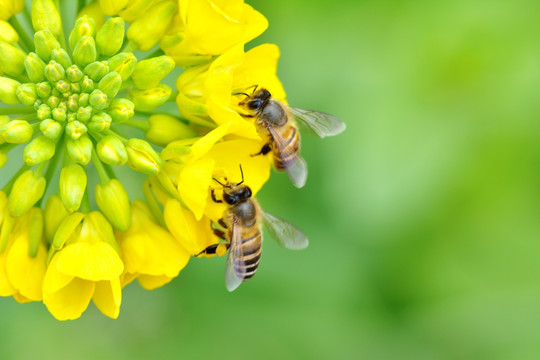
{"points": [[61, 57], [165, 129], [73, 102], [37, 103], [75, 129], [142, 157], [66, 227], [63, 106], [113, 202], [84, 114], [84, 26], [74, 74], [75, 88], [85, 51], [11, 59], [16, 132], [43, 112], [121, 110], [110, 84], [3, 158], [26, 93], [87, 85], [124, 64], [96, 70], [35, 67], [151, 26], [54, 71], [51, 129], [45, 43], [112, 7], [38, 150], [4, 119], [71, 117], [84, 99], [27, 190], [43, 89], [111, 36], [147, 100], [148, 73], [80, 150], [53, 101], [100, 122], [72, 187], [59, 114], [63, 86], [46, 16], [135, 9], [112, 151], [54, 213], [8, 90], [8, 33], [98, 100]]}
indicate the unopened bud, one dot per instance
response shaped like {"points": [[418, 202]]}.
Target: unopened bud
{"points": [[87, 85], [61, 57], [96, 70], [112, 151], [121, 110], [27, 190], [93, 10], [38, 150], [148, 73], [54, 213], [85, 51], [74, 74], [50, 128], [45, 43], [151, 26], [46, 16], [112, 7], [72, 187], [165, 129], [75, 129], [11, 59], [142, 157], [3, 158], [8, 90], [26, 93], [100, 122], [54, 71], [16, 132], [84, 99], [43, 112], [43, 89], [111, 36], [8, 33], [110, 84], [124, 64], [147, 100], [113, 201], [80, 150], [84, 26], [35, 67], [63, 86], [136, 9], [59, 114], [84, 114], [98, 100], [53, 101]]}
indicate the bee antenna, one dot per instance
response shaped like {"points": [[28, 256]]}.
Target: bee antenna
{"points": [[216, 180], [241, 172]]}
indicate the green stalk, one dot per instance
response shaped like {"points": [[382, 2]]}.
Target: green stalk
{"points": [[17, 110], [102, 173], [153, 204], [138, 124], [156, 53], [85, 205], [53, 163], [7, 188], [26, 40]]}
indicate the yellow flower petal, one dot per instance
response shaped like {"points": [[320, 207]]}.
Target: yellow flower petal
{"points": [[193, 185], [108, 297], [91, 261], [6, 289], [21, 299], [24, 272], [70, 301], [149, 282]]}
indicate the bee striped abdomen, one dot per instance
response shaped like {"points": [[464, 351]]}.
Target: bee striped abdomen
{"points": [[251, 249], [285, 154]]}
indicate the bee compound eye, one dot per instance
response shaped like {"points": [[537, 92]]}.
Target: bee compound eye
{"points": [[254, 104]]}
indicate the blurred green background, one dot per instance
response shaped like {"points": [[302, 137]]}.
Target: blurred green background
{"points": [[423, 217]]}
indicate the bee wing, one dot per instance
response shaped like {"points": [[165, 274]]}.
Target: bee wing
{"points": [[296, 167], [235, 268], [317, 123], [286, 234]]}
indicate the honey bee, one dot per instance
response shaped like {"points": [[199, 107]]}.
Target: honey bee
{"points": [[275, 122], [241, 224]]}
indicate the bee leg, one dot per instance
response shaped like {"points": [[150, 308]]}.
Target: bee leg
{"points": [[246, 116], [214, 197], [212, 249], [222, 223], [265, 150], [220, 234]]}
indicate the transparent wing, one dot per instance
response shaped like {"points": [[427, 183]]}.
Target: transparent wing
{"points": [[296, 168], [317, 123], [286, 234], [235, 268]]}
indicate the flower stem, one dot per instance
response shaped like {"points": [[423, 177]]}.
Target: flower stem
{"points": [[138, 124], [26, 40], [17, 110], [152, 203], [130, 47], [156, 53], [102, 173], [80, 5], [51, 170], [7, 188], [85, 204], [197, 121]]}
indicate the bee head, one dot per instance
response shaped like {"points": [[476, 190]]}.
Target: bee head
{"points": [[233, 194], [257, 100]]}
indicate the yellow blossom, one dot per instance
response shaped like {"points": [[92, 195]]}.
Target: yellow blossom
{"points": [[149, 252], [87, 267], [204, 28], [8, 8]]}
